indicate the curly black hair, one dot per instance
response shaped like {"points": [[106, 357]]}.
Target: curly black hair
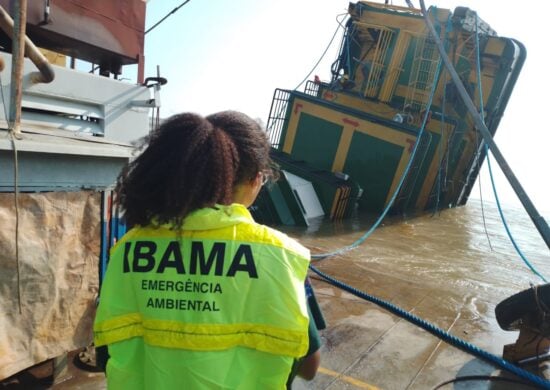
{"points": [[191, 162]]}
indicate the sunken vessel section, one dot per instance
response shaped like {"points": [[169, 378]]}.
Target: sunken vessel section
{"points": [[347, 142]]}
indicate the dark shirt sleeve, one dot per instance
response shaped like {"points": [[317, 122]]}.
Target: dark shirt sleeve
{"points": [[313, 335], [314, 345]]}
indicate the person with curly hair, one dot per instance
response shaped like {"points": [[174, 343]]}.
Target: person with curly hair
{"points": [[197, 295]]}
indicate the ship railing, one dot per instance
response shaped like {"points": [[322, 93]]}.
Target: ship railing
{"points": [[277, 116], [425, 62], [382, 38], [312, 88]]}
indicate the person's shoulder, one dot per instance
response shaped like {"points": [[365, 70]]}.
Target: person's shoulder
{"points": [[270, 236]]}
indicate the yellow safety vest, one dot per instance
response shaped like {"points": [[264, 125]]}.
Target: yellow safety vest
{"points": [[218, 304]]}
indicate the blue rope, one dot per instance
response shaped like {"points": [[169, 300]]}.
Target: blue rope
{"points": [[360, 240], [482, 113], [440, 333], [516, 247]]}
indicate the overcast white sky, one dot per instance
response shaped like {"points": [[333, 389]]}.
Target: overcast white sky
{"points": [[219, 54]]}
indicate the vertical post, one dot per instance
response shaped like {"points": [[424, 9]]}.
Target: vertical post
{"points": [[105, 233], [18, 58], [141, 68]]}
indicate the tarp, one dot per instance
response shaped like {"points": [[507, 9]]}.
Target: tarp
{"points": [[49, 308]]}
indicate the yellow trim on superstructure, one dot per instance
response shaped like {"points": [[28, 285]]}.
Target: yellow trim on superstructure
{"points": [[361, 104], [291, 128], [395, 66], [397, 21], [393, 7], [494, 46], [335, 202], [343, 148], [364, 126], [342, 209]]}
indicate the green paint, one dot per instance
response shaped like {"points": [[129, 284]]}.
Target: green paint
{"points": [[280, 204], [270, 208], [372, 163], [316, 141], [276, 204], [292, 202]]}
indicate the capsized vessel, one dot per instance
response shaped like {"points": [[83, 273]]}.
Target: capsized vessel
{"points": [[389, 127]]}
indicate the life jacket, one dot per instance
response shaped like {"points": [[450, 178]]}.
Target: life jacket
{"points": [[219, 303]]}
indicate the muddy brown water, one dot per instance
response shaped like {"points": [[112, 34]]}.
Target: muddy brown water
{"points": [[456, 252], [450, 268]]}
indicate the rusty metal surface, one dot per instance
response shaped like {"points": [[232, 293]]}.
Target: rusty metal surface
{"points": [[105, 32]]}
